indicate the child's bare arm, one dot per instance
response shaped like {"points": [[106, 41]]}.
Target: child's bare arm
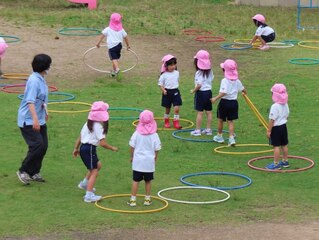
{"points": [[127, 43], [100, 40], [104, 144], [220, 95], [76, 151]]}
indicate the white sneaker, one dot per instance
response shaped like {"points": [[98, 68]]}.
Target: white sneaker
{"points": [[24, 177], [207, 131], [84, 186], [92, 198], [231, 141], [218, 139], [196, 132]]}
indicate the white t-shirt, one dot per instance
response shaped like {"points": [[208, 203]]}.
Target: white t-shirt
{"points": [[93, 137], [231, 88], [169, 80], [2, 40], [113, 38], [144, 151], [265, 31], [279, 113], [205, 82]]}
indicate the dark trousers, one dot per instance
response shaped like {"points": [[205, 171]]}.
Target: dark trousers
{"points": [[38, 145]]}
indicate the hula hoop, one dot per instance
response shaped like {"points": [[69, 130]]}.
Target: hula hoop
{"points": [[16, 76], [69, 96], [195, 32], [256, 44], [312, 163], [210, 39], [91, 31], [174, 134], [217, 173], [292, 41], [280, 45], [232, 46], [217, 150], [125, 109], [4, 89], [14, 38], [75, 111], [301, 44], [257, 113], [191, 124], [106, 71], [132, 211], [191, 187], [304, 61]]}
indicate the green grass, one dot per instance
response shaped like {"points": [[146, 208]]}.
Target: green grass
{"points": [[57, 205]]}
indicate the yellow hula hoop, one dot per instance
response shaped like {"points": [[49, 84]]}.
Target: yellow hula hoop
{"points": [[191, 124], [257, 113], [132, 211], [305, 46], [246, 41], [217, 150], [16, 76], [65, 111]]}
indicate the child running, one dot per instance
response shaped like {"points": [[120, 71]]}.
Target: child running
{"points": [[228, 106], [3, 48], [277, 130], [264, 33], [145, 144], [168, 83], [114, 35], [93, 134], [203, 92]]}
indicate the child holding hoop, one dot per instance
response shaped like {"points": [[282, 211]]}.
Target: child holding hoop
{"points": [[168, 83], [93, 134], [203, 92], [277, 130], [114, 34], [227, 109], [144, 147], [3, 48], [264, 33]]}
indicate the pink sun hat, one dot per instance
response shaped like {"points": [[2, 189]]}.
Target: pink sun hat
{"points": [[147, 124], [164, 60], [230, 67], [3, 47], [203, 60], [99, 112], [279, 93], [116, 22]]}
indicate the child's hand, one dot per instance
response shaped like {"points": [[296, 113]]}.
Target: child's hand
{"points": [[268, 133], [164, 92], [76, 153], [98, 45], [213, 100], [192, 91], [114, 149]]}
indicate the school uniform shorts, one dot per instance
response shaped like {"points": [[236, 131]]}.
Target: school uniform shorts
{"points": [[173, 97], [202, 101], [227, 110], [279, 136], [115, 52], [89, 156]]}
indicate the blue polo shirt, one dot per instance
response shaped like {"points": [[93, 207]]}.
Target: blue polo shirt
{"points": [[36, 92]]}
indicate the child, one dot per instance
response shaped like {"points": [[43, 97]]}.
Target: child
{"points": [[145, 144], [93, 134], [3, 47], [277, 129], [168, 83], [203, 92], [114, 35], [264, 33], [228, 106]]}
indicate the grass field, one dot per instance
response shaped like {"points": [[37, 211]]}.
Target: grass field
{"points": [[57, 205]]}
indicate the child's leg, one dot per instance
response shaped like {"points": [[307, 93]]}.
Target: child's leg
{"points": [[92, 177], [176, 110], [199, 119], [148, 186], [231, 128], [276, 154], [134, 188], [167, 111], [261, 40], [115, 64], [209, 116], [220, 126], [285, 152]]}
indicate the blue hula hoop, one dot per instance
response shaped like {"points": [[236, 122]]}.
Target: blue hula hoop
{"points": [[125, 109], [69, 96], [304, 61], [14, 38], [217, 173], [194, 139], [228, 46]]}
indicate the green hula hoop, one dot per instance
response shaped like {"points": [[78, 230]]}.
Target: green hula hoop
{"points": [[125, 109], [236, 46], [304, 61], [13, 38], [68, 97], [91, 31]]}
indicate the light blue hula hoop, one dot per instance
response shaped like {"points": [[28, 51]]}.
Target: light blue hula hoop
{"points": [[91, 31], [228, 46], [14, 38], [308, 61], [125, 109], [174, 134], [217, 173], [69, 96], [291, 41]]}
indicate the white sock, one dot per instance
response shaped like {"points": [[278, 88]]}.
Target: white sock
{"points": [[133, 198], [176, 117], [166, 115], [85, 181]]}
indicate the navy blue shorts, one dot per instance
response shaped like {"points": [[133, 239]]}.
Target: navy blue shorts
{"points": [[227, 110], [279, 136], [115, 52], [173, 97], [88, 156], [202, 101], [269, 38], [139, 176]]}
